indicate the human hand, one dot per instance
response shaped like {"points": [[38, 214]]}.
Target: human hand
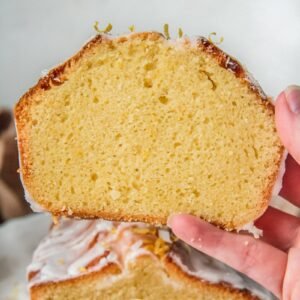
{"points": [[274, 260]]}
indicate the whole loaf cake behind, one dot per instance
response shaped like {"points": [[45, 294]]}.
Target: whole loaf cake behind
{"points": [[84, 259]]}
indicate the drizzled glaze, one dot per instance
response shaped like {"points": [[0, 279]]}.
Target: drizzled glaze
{"points": [[278, 184], [74, 248]]}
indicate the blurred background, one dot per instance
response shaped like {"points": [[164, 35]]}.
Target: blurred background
{"points": [[36, 35]]}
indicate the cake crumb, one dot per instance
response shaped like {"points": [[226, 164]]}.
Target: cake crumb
{"points": [[251, 228], [246, 243], [115, 195], [70, 212]]}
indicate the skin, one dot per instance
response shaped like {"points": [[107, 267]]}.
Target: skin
{"points": [[273, 260]]}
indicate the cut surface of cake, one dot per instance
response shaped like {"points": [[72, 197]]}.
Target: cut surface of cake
{"points": [[85, 259], [144, 127]]}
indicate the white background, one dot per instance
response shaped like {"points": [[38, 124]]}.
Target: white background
{"points": [[35, 35]]}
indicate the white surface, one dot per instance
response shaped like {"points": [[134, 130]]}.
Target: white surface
{"points": [[19, 238], [263, 34]]}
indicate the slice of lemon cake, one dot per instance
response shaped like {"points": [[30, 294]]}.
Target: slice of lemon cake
{"points": [[138, 127], [84, 259]]}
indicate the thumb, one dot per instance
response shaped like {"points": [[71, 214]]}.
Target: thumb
{"points": [[287, 118]]}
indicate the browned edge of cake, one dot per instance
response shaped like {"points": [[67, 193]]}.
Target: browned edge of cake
{"points": [[57, 77], [171, 269]]}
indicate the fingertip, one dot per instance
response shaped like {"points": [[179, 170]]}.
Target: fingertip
{"points": [[282, 118], [288, 124], [179, 220], [191, 229], [280, 109], [280, 97]]}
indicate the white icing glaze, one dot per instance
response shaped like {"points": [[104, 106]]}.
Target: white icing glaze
{"points": [[45, 72], [251, 228], [73, 244], [253, 82], [33, 204], [75, 247], [278, 183], [202, 266]]}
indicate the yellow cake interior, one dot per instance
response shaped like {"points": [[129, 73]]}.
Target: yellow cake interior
{"points": [[148, 127]]}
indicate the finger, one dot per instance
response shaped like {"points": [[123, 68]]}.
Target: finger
{"points": [[291, 181], [291, 284], [279, 228], [287, 118], [261, 262]]}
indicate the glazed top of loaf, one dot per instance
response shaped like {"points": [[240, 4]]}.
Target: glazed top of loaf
{"points": [[77, 247]]}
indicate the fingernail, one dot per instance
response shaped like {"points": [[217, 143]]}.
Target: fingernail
{"points": [[292, 94]]}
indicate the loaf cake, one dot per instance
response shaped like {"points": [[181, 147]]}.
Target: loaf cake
{"points": [[94, 259], [143, 126]]}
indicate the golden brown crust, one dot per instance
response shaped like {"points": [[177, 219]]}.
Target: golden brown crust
{"points": [[59, 74], [223, 287], [109, 270], [174, 272], [231, 64], [122, 217]]}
